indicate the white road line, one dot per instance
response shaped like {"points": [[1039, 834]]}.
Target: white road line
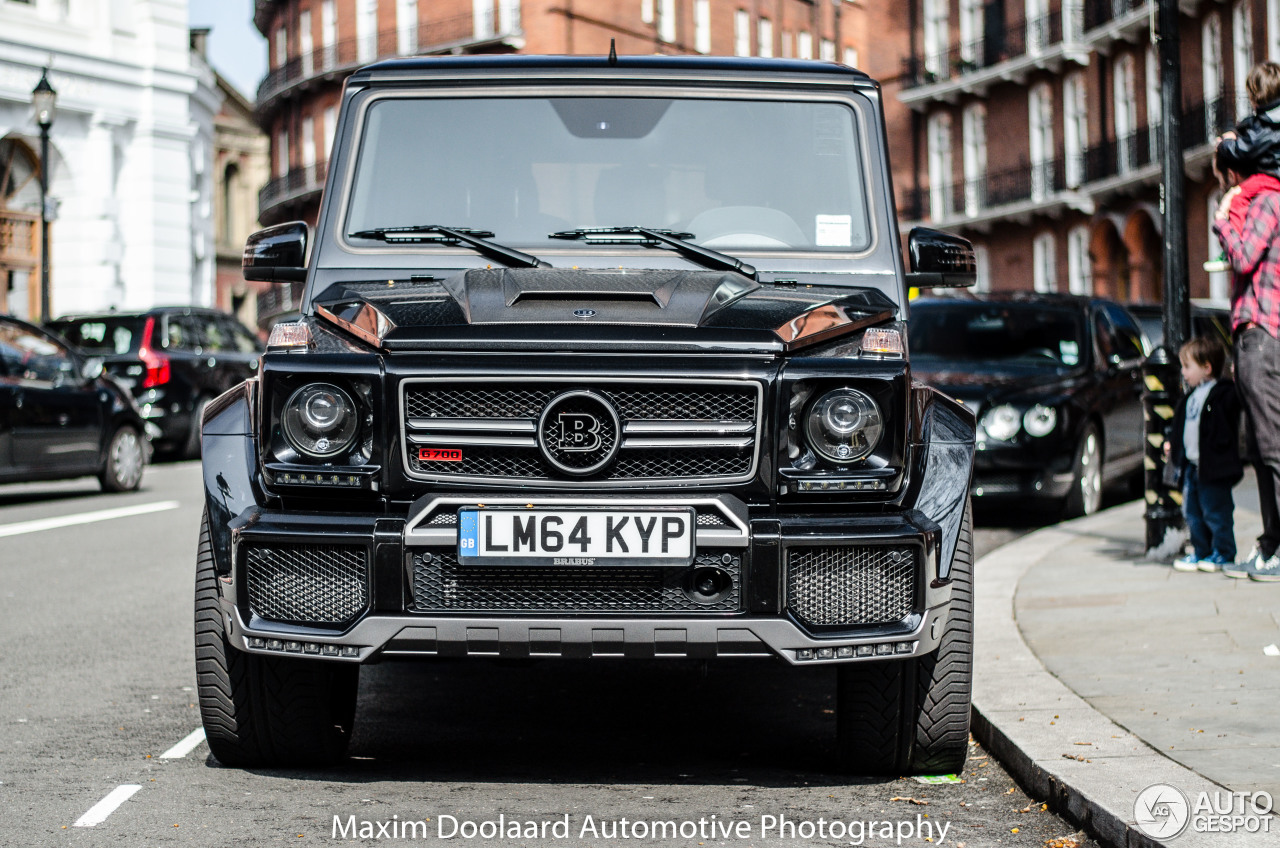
{"points": [[98, 812], [20, 527], [186, 746]]}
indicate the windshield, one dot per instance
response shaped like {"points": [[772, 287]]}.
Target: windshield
{"points": [[737, 174], [102, 335], [1012, 335]]}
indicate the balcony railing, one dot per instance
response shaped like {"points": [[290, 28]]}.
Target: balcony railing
{"points": [[292, 186], [1026, 37], [19, 239], [350, 53], [1100, 12]]}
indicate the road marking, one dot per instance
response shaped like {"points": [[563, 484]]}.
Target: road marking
{"points": [[18, 528], [186, 746], [98, 812]]}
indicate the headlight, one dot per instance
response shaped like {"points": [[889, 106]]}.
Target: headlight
{"points": [[844, 425], [1040, 420], [1001, 423], [320, 420]]}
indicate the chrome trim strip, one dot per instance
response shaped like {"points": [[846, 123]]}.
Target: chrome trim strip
{"points": [[718, 428], [588, 381], [473, 440], [691, 442], [502, 425]]}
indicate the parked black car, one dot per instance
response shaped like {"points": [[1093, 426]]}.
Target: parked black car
{"points": [[174, 360], [61, 416], [1205, 321], [1056, 384]]}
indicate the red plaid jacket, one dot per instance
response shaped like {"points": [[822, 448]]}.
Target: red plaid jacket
{"points": [[1254, 253]]}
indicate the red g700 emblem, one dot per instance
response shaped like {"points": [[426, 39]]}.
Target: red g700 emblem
{"points": [[439, 455]]}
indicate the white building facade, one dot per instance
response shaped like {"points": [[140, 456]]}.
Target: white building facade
{"points": [[131, 154]]}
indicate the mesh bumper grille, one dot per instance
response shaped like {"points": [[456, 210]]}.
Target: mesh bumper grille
{"points": [[441, 585], [307, 584], [850, 586]]}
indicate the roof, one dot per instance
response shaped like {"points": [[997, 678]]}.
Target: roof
{"points": [[624, 66]]}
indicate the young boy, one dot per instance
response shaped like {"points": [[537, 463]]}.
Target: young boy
{"points": [[1203, 445]]}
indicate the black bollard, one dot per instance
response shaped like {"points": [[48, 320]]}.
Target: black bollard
{"points": [[1162, 377]]}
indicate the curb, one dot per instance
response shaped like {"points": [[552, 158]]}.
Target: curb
{"points": [[1038, 728]]}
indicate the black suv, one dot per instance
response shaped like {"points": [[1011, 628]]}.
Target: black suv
{"points": [[174, 359], [597, 358]]}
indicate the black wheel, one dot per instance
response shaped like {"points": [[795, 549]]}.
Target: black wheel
{"points": [[912, 716], [266, 711], [1085, 497], [126, 457], [191, 450]]}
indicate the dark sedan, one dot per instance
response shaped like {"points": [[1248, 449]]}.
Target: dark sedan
{"points": [[61, 416], [1056, 384], [174, 360]]}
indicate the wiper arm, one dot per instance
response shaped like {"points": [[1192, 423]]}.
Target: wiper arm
{"points": [[434, 234], [704, 256]]}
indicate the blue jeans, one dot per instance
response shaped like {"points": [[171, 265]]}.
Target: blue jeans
{"points": [[1208, 508]]}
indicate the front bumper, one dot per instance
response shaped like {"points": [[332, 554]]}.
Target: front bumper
{"points": [[1018, 472]]}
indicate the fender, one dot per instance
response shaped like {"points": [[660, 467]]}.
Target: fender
{"points": [[229, 448], [944, 465]]}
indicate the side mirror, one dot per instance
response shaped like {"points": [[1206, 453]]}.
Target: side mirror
{"points": [[277, 254], [940, 260], [91, 368]]}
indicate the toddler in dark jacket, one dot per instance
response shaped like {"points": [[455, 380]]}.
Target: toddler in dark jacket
{"points": [[1203, 445]]}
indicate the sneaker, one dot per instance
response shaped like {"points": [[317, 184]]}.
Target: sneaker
{"points": [[1212, 563], [1267, 571], [1190, 562], [1241, 569]]}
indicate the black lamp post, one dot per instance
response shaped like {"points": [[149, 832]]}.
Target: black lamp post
{"points": [[44, 99]]}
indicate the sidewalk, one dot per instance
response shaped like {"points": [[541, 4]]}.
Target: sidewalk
{"points": [[1099, 674]]}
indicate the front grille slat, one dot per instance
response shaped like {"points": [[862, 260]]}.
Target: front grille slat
{"points": [[441, 585], [851, 586], [307, 584]]}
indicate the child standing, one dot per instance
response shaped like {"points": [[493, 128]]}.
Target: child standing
{"points": [[1203, 445]]}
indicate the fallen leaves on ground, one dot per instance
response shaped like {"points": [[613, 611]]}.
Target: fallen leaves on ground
{"points": [[1075, 840]]}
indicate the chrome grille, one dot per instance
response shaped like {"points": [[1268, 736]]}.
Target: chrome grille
{"points": [[441, 585], [307, 584], [851, 586], [706, 431]]}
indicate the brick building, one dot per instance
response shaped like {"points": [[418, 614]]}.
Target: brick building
{"points": [[1037, 134]]}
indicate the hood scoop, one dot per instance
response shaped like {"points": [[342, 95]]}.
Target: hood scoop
{"points": [[568, 296]]}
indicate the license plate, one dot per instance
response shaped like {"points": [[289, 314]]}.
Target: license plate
{"points": [[576, 537]]}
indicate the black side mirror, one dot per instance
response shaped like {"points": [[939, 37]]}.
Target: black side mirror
{"points": [[277, 254], [940, 260]]}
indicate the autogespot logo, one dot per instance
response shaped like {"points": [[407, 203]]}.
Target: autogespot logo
{"points": [[1161, 811]]}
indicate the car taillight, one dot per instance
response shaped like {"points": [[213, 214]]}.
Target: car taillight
{"points": [[157, 364]]}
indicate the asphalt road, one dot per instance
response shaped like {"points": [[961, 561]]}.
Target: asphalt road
{"points": [[97, 680]]}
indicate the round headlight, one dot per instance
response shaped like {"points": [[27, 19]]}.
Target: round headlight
{"points": [[1040, 420], [844, 425], [1001, 423], [320, 420]]}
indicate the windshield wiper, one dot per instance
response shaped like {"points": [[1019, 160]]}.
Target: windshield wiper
{"points": [[435, 234], [704, 256]]}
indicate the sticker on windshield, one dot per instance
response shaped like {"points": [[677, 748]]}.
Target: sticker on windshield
{"points": [[1070, 352], [834, 230]]}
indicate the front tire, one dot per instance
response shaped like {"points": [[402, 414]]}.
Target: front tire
{"points": [[262, 711], [912, 716], [1085, 497], [126, 457]]}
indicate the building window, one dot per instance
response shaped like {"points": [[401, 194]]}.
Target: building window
{"points": [[282, 153], [971, 31], [702, 26], [1079, 269], [1241, 54], [509, 16], [367, 30], [1155, 108], [1273, 30], [646, 11], [936, 35], [1037, 26], [974, 127], [282, 46], [982, 259], [1040, 112], [1075, 127], [1126, 119], [804, 45], [329, 33], [764, 37], [305, 44], [827, 50], [406, 27], [1044, 263], [940, 173], [1215, 111], [1072, 20], [309, 149], [741, 33], [851, 56], [330, 127], [1218, 280], [482, 18], [667, 20]]}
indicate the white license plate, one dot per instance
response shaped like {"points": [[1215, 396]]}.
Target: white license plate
{"points": [[576, 537]]}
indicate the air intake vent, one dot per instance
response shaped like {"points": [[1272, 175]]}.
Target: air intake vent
{"points": [[307, 584], [851, 586]]}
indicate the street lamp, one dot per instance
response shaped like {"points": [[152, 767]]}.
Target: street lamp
{"points": [[44, 99]]}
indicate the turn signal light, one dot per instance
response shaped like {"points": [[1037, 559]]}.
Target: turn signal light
{"points": [[291, 334], [882, 342]]}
